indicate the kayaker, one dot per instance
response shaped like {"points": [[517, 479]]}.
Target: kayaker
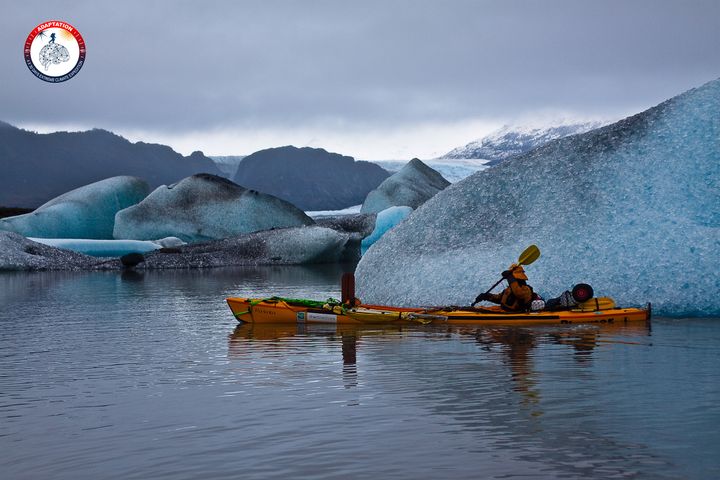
{"points": [[518, 295]]}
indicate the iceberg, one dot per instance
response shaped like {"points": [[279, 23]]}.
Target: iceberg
{"points": [[86, 212], [205, 207], [283, 246], [384, 221], [19, 253], [633, 208], [107, 248], [452, 169], [412, 186]]}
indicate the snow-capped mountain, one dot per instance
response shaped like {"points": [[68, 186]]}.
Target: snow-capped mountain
{"points": [[513, 140]]}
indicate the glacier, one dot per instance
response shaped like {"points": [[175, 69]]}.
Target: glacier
{"points": [[633, 208], [86, 212], [412, 186], [385, 221], [205, 207]]}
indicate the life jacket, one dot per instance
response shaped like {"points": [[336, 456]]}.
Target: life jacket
{"points": [[518, 300]]}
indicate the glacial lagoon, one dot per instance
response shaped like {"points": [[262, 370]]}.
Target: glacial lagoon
{"points": [[147, 375]]}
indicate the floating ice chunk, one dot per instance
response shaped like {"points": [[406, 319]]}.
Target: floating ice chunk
{"points": [[100, 248], [283, 246], [170, 242], [19, 253], [306, 245], [632, 208], [412, 186], [86, 212], [359, 224], [385, 220], [205, 207]]}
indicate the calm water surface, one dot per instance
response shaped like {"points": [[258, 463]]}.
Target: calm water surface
{"points": [[108, 375]]}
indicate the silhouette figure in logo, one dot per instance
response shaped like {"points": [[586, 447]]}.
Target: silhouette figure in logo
{"points": [[52, 37]]}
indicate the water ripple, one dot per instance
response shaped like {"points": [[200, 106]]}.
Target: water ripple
{"points": [[102, 377]]}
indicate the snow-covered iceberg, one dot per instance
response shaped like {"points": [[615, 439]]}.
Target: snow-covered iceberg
{"points": [[86, 212], [384, 221], [412, 186], [205, 207], [632, 208]]}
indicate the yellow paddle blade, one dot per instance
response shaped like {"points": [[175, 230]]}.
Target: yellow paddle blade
{"points": [[595, 304], [528, 256]]}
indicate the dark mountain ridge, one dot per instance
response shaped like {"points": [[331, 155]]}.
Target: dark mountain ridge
{"points": [[310, 178], [37, 167]]}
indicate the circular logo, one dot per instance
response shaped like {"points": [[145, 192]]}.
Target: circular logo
{"points": [[54, 51]]}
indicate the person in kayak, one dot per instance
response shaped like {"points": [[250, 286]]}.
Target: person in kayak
{"points": [[518, 295]]}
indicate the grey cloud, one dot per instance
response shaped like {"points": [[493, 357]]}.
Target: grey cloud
{"points": [[194, 65]]}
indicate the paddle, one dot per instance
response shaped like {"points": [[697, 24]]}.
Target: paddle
{"points": [[528, 256]]}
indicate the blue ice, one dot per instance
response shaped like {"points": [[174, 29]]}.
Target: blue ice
{"points": [[633, 208], [384, 221], [86, 212], [205, 207], [100, 248]]}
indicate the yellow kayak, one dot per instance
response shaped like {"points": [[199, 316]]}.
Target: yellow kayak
{"points": [[277, 310]]}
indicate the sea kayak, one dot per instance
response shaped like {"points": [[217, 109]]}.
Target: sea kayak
{"points": [[277, 310]]}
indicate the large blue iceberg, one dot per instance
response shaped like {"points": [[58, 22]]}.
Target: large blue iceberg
{"points": [[205, 207], [632, 208], [86, 212]]}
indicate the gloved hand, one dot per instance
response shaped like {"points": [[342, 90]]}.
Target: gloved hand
{"points": [[480, 298], [507, 274]]}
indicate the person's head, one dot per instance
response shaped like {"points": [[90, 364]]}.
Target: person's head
{"points": [[518, 272]]}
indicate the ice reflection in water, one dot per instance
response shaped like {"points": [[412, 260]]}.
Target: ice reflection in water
{"points": [[146, 375]]}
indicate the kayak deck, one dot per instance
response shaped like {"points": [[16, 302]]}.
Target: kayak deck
{"points": [[277, 311]]}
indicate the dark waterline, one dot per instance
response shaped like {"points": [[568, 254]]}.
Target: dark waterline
{"points": [[147, 375]]}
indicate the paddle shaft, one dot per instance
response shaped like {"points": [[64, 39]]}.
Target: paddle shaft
{"points": [[496, 284], [528, 256]]}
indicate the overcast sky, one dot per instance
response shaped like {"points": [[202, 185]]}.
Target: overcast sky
{"points": [[373, 79]]}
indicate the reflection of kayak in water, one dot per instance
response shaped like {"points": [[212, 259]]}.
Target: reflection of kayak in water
{"points": [[278, 310], [275, 331]]}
